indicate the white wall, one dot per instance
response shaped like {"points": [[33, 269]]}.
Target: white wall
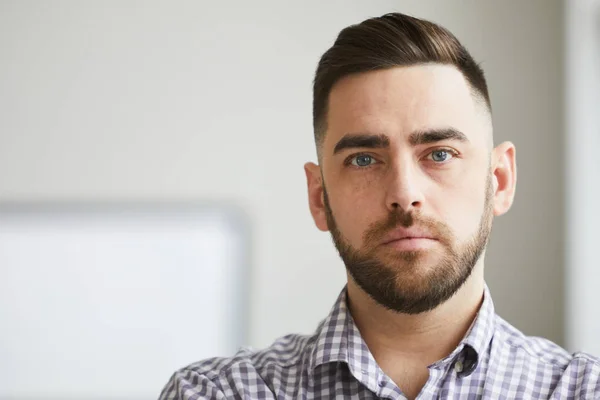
{"points": [[583, 183], [212, 100]]}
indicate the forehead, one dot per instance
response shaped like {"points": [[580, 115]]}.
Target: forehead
{"points": [[401, 100]]}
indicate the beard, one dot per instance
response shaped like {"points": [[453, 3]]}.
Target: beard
{"points": [[404, 281]]}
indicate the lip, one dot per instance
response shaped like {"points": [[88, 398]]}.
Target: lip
{"points": [[411, 243], [408, 234]]}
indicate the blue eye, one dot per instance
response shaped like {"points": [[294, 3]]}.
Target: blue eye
{"points": [[362, 160], [440, 156]]}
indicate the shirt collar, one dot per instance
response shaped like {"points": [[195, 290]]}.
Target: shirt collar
{"points": [[338, 339], [331, 343], [482, 330]]}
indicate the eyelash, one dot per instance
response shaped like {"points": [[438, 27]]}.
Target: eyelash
{"points": [[453, 152], [348, 160]]}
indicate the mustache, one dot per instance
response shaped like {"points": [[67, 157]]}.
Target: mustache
{"points": [[401, 218]]}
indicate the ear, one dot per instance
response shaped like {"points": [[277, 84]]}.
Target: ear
{"points": [[314, 182], [504, 170]]}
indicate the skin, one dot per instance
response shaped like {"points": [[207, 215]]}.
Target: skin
{"points": [[446, 183]]}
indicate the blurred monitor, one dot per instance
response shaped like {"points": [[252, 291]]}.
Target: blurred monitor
{"points": [[107, 301]]}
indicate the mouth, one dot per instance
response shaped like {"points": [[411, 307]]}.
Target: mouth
{"points": [[411, 243]]}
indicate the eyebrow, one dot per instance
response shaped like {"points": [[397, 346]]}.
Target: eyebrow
{"points": [[436, 135], [381, 141], [362, 140]]}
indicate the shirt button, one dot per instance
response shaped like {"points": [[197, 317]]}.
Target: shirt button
{"points": [[381, 383], [458, 367]]}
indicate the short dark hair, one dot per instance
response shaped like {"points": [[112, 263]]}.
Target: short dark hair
{"points": [[392, 40]]}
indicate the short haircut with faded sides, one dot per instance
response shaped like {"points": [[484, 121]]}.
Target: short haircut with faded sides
{"points": [[392, 40]]}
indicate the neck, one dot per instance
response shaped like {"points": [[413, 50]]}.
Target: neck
{"points": [[423, 338]]}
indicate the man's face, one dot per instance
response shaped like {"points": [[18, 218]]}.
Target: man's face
{"points": [[407, 185]]}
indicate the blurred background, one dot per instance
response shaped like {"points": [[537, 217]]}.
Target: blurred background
{"points": [[119, 111]]}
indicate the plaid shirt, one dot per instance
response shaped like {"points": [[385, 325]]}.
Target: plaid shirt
{"points": [[493, 361]]}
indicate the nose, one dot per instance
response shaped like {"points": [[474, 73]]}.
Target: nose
{"points": [[403, 189]]}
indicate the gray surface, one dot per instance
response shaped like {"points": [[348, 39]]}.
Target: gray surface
{"points": [[115, 101]]}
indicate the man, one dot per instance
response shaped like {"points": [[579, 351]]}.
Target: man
{"points": [[408, 184]]}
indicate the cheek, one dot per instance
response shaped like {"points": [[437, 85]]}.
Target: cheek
{"points": [[356, 207], [461, 207]]}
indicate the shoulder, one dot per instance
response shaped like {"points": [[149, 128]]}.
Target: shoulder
{"points": [[285, 352], [578, 372], [248, 369], [531, 347]]}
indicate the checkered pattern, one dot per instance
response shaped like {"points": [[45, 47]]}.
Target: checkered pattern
{"points": [[493, 361]]}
